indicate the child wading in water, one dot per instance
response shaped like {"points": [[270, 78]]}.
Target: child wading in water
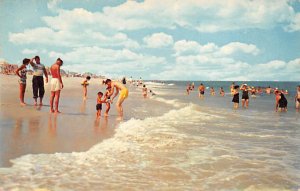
{"points": [[99, 104], [21, 72], [236, 97], [107, 100], [85, 83]]}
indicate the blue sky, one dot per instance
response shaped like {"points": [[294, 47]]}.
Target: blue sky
{"points": [[177, 40]]}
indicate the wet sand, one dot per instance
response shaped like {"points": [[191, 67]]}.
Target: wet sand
{"points": [[32, 130]]}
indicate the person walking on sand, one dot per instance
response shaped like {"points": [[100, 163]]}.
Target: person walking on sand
{"points": [[297, 98], [118, 87], [201, 90], [85, 84], [56, 85], [37, 80], [145, 90], [21, 72]]}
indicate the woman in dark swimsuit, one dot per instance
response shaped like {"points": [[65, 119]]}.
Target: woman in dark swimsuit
{"points": [[245, 96], [282, 102], [236, 97]]}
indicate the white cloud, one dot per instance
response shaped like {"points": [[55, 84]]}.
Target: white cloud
{"points": [[48, 36], [204, 16], [107, 60], [29, 51], [295, 24], [184, 47], [233, 47], [158, 40]]}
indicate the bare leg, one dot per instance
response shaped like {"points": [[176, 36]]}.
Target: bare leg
{"points": [[247, 103], [243, 103], [119, 105], [51, 102], [84, 93], [107, 109], [57, 96], [22, 94], [35, 101]]}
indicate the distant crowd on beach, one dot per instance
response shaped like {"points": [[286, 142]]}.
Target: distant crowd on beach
{"points": [[280, 99]]}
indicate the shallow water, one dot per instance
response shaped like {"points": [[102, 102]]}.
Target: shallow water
{"points": [[194, 145]]}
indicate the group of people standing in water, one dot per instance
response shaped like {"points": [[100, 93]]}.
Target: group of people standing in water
{"points": [[280, 99]]}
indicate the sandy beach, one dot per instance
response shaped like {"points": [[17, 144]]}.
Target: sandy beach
{"points": [[32, 130]]}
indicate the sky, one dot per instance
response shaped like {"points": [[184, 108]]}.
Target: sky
{"points": [[155, 39]]}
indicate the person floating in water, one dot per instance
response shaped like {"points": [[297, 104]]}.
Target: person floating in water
{"points": [[118, 87], [201, 91], [145, 90], [297, 98], [245, 96], [38, 80], [280, 101], [21, 72], [222, 92], [85, 84], [236, 97], [56, 85]]}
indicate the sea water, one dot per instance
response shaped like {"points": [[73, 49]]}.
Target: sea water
{"points": [[194, 144]]}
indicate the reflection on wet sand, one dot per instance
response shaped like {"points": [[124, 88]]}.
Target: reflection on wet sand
{"points": [[83, 107], [52, 125]]}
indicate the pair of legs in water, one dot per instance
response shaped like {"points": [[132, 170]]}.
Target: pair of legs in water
{"points": [[54, 95]]}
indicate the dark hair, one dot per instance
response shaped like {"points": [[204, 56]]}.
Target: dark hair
{"points": [[36, 57], [144, 85], [107, 80], [100, 93], [58, 59], [88, 77], [236, 86], [26, 61]]}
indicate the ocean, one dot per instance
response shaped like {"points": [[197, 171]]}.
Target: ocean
{"points": [[174, 141]]}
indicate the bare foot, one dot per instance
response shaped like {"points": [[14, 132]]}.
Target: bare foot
{"points": [[41, 104], [51, 111], [23, 104], [105, 115], [35, 104], [57, 111], [119, 118]]}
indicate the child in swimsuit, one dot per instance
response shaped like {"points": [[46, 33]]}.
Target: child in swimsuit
{"points": [[107, 100], [236, 97], [85, 84], [99, 104]]}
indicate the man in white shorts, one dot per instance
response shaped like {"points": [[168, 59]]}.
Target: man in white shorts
{"points": [[56, 85]]}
